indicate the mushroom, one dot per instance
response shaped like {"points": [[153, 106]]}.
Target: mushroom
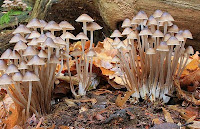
{"points": [[29, 77]]}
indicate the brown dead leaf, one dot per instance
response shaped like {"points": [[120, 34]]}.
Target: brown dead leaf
{"points": [[102, 91], [195, 125], [52, 127], [99, 117], [120, 101], [106, 72], [12, 119], [167, 115], [64, 127], [17, 127], [93, 100]]}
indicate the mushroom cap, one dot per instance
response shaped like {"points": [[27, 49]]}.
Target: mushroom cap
{"points": [[189, 50], [141, 15], [76, 52], [17, 77], [43, 23], [116, 41], [30, 77], [157, 14], [166, 17], [20, 45], [91, 53], [166, 37], [21, 29], [42, 38], [132, 35], [16, 38], [84, 18], [173, 29], [23, 65], [66, 25], [11, 69], [36, 60], [50, 35], [6, 80], [92, 26], [50, 43], [187, 34], [152, 21], [43, 54], [14, 55], [135, 21], [52, 25], [126, 23], [115, 59], [54, 60], [67, 35], [34, 34], [150, 51], [59, 41], [33, 42], [3, 65], [81, 35], [34, 23], [158, 33], [6, 54], [30, 51], [179, 37], [173, 41], [116, 33], [145, 31], [162, 47], [126, 31]]}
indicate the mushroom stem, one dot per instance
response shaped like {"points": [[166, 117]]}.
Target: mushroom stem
{"points": [[165, 28], [67, 45], [29, 99], [84, 28], [83, 45], [91, 38], [181, 71]]}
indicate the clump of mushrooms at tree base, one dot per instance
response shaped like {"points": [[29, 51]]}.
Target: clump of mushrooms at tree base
{"points": [[28, 72], [146, 61], [148, 68]]}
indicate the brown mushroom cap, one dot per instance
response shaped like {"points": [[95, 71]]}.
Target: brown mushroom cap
{"points": [[30, 76], [6, 80], [84, 18]]}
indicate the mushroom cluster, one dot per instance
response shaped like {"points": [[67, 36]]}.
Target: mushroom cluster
{"points": [[15, 5], [149, 66], [28, 72]]}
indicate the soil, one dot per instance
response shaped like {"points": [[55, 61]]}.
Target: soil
{"points": [[104, 114]]}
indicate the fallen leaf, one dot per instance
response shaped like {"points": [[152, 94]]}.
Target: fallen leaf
{"points": [[156, 121], [64, 127], [17, 127], [195, 125], [102, 91], [93, 101], [100, 117], [83, 109], [167, 115], [52, 127], [106, 72], [120, 101]]}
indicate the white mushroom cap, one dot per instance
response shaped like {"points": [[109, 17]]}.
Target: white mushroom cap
{"points": [[23, 65], [16, 38], [17, 77], [20, 45], [84, 18], [52, 25], [21, 29], [67, 35], [158, 33], [34, 23], [6, 80], [30, 76], [66, 25], [36, 60], [3, 65], [126, 23], [30, 51], [116, 33], [173, 41], [91, 53], [81, 35], [6, 54], [11, 69], [43, 54], [93, 26], [150, 51]]}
